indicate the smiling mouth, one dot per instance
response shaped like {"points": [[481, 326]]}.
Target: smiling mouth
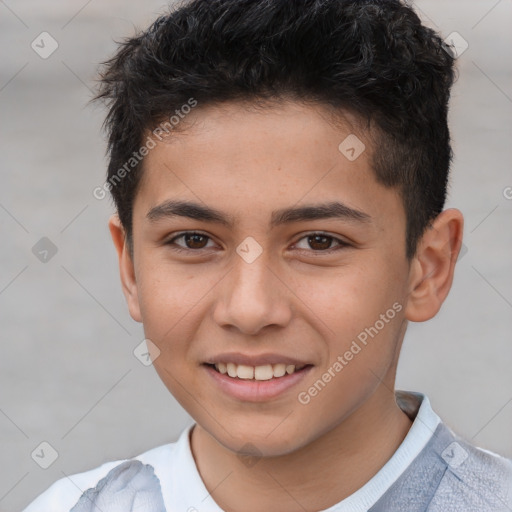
{"points": [[256, 373]]}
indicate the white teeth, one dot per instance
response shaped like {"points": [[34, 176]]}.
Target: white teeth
{"points": [[231, 369], [279, 370], [262, 372], [245, 372]]}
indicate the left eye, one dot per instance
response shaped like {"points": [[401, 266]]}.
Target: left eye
{"points": [[320, 242]]}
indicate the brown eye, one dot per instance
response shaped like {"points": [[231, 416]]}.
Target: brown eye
{"points": [[195, 240], [191, 241], [320, 242]]}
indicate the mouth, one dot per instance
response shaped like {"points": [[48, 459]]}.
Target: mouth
{"points": [[256, 383], [257, 373]]}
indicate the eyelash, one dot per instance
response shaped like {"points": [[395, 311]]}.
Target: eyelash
{"points": [[341, 243]]}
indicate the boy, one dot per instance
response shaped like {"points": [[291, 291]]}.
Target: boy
{"points": [[279, 171]]}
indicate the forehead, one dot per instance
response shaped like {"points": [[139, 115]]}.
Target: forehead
{"points": [[241, 131], [245, 158]]}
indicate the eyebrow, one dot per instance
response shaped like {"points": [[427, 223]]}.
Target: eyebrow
{"points": [[331, 210]]}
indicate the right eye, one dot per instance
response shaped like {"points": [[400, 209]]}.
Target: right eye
{"points": [[193, 241]]}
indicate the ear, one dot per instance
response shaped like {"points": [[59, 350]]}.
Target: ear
{"points": [[433, 266], [126, 268]]}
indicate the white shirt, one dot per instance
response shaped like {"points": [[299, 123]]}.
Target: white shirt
{"points": [[184, 491]]}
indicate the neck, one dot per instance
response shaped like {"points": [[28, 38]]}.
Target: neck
{"points": [[316, 476]]}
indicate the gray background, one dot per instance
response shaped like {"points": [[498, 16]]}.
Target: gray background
{"points": [[68, 375]]}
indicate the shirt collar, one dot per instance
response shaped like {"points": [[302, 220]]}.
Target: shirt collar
{"points": [[185, 490]]}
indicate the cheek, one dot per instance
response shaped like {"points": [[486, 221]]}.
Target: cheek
{"points": [[167, 290], [358, 310], [169, 308], [167, 297], [348, 300], [175, 301]]}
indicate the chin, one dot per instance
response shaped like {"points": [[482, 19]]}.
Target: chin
{"points": [[261, 439]]}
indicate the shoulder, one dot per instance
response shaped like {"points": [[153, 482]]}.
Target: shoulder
{"points": [[448, 473], [474, 478], [62, 495]]}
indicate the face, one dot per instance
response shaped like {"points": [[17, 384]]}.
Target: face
{"points": [[287, 255]]}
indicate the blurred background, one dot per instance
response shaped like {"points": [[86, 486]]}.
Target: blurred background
{"points": [[68, 376]]}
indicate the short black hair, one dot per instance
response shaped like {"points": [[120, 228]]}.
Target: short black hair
{"points": [[371, 58]]}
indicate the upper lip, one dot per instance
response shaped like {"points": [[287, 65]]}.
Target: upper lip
{"points": [[255, 360]]}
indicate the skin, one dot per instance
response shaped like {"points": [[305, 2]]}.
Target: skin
{"points": [[298, 298]]}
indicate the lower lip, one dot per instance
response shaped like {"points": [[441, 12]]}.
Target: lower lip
{"points": [[256, 390]]}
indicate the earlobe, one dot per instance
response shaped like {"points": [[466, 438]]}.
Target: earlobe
{"points": [[126, 267], [432, 268]]}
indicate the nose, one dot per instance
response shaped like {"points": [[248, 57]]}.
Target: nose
{"points": [[252, 297]]}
